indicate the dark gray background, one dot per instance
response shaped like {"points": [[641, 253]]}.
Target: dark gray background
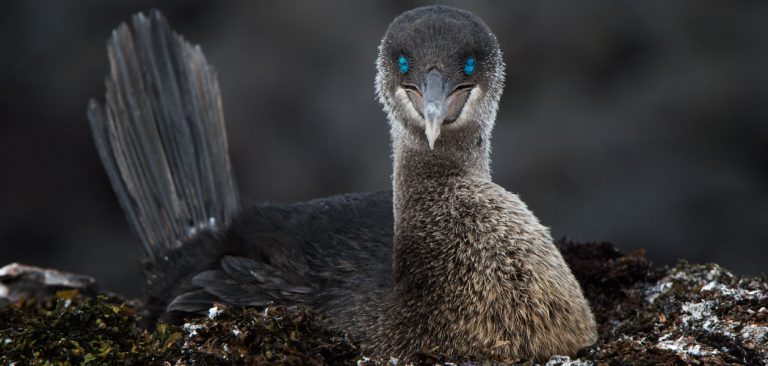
{"points": [[643, 123]]}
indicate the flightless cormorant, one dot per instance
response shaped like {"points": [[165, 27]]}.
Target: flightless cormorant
{"points": [[461, 267]]}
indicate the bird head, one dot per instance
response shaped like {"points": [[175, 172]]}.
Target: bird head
{"points": [[439, 73]]}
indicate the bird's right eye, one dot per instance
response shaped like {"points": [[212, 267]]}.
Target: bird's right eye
{"points": [[469, 66], [402, 62]]}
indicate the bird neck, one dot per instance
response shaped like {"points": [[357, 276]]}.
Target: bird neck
{"points": [[462, 155], [425, 182]]}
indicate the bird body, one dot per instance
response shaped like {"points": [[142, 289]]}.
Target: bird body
{"points": [[447, 261], [474, 270]]}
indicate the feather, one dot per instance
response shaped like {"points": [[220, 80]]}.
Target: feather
{"points": [[161, 136]]}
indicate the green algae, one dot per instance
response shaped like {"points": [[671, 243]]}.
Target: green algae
{"points": [[70, 329]]}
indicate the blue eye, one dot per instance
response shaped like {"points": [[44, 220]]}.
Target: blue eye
{"points": [[469, 66], [403, 62]]}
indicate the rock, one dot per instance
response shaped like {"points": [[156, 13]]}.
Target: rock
{"points": [[21, 281], [687, 314], [694, 314]]}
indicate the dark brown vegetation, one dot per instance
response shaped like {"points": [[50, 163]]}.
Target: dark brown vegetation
{"points": [[687, 314]]}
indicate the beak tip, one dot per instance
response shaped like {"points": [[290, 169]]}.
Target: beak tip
{"points": [[436, 91], [432, 131]]}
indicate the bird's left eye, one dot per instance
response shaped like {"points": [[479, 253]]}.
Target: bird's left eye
{"points": [[469, 65], [403, 63]]}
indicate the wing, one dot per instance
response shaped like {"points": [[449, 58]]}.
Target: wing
{"points": [[308, 253]]}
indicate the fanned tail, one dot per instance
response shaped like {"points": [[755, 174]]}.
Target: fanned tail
{"points": [[161, 136]]}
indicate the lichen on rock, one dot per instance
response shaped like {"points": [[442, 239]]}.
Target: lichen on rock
{"points": [[690, 313]]}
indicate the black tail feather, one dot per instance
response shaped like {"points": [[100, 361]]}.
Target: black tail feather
{"points": [[161, 136]]}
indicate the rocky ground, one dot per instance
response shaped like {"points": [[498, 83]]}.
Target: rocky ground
{"points": [[686, 314]]}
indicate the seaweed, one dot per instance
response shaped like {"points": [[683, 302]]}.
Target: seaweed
{"points": [[685, 314], [70, 329]]}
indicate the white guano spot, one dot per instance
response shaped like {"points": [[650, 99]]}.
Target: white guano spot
{"points": [[214, 312]]}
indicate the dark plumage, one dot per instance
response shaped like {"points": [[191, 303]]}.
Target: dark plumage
{"points": [[464, 266], [162, 142], [474, 269], [309, 253]]}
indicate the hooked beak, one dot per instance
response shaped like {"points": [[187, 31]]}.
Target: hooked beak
{"points": [[438, 101], [435, 93]]}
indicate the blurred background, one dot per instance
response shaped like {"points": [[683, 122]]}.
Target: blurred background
{"points": [[643, 123]]}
